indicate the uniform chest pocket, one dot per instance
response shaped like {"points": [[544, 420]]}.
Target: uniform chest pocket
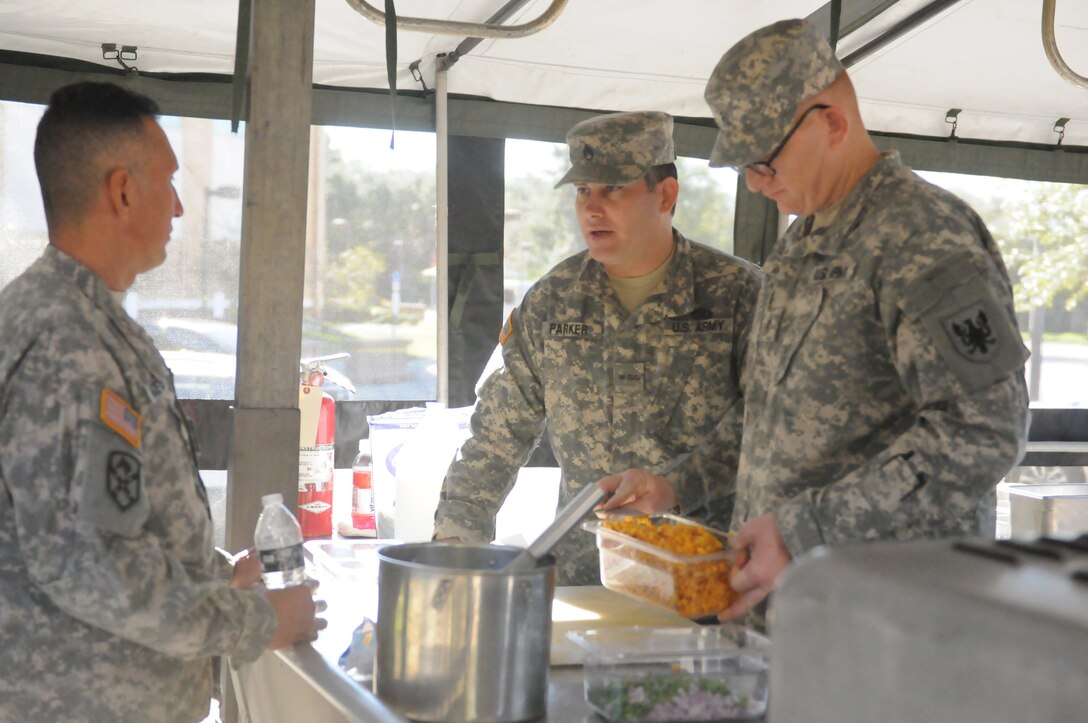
{"points": [[572, 350], [698, 381], [794, 326]]}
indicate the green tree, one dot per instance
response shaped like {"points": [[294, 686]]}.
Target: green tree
{"points": [[353, 276], [541, 229], [704, 210], [1045, 244], [391, 215]]}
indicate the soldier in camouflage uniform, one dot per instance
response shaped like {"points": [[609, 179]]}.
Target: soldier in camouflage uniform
{"points": [[631, 351], [885, 394], [113, 599]]}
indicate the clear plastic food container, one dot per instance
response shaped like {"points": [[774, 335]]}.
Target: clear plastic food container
{"points": [[693, 585], [349, 561], [709, 673]]}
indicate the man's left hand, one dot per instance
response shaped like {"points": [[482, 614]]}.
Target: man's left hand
{"points": [[763, 556], [247, 570]]}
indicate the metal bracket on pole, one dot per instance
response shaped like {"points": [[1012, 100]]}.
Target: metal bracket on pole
{"points": [[453, 27], [1059, 128], [417, 75], [1050, 45], [127, 52], [952, 118]]}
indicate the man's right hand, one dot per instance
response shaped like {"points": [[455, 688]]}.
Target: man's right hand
{"points": [[296, 615], [637, 489]]}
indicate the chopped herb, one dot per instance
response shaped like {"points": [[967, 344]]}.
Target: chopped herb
{"points": [[672, 698]]}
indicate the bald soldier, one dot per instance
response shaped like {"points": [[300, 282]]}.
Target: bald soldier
{"points": [[113, 599], [630, 351], [885, 395]]}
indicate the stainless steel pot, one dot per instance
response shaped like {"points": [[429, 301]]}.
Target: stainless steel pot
{"points": [[458, 637]]}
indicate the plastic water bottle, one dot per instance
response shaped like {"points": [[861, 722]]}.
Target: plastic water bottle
{"points": [[362, 502], [278, 539]]}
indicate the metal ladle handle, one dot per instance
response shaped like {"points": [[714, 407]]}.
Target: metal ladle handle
{"points": [[564, 521]]}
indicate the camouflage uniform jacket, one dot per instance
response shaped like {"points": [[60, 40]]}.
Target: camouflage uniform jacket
{"points": [[885, 394], [113, 599], [659, 388]]}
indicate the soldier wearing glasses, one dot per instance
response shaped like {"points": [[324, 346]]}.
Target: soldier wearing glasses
{"points": [[884, 395]]}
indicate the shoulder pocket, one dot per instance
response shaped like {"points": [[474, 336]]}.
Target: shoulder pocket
{"points": [[110, 473], [971, 330]]}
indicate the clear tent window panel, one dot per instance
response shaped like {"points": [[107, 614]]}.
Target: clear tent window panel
{"points": [[370, 261]]}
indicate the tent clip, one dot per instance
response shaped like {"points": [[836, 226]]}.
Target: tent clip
{"points": [[418, 76], [952, 118], [1059, 128], [127, 52]]}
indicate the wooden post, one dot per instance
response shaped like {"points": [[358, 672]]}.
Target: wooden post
{"points": [[264, 457], [264, 454]]}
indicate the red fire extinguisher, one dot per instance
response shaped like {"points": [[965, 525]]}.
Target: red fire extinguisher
{"points": [[316, 452]]}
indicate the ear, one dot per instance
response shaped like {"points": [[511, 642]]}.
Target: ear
{"points": [[838, 125], [669, 189], [119, 189]]}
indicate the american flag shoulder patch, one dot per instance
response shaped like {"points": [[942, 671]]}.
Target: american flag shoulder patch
{"points": [[507, 328], [118, 415]]}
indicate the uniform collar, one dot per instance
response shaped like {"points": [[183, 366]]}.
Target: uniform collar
{"points": [[830, 239], [88, 283], [678, 297]]}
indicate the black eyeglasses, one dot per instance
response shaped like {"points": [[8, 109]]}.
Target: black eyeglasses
{"points": [[764, 168]]}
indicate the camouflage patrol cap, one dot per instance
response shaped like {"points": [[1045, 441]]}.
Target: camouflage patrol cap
{"points": [[618, 148], [759, 84]]}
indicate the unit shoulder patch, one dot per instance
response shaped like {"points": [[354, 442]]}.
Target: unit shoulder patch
{"points": [[123, 479], [971, 333]]}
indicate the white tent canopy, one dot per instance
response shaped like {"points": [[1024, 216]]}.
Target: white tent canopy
{"points": [[985, 57]]}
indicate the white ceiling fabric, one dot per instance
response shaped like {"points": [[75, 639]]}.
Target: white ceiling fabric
{"points": [[984, 56]]}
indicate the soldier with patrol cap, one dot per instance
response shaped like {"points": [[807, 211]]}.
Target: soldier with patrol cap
{"points": [[630, 351], [113, 599], [885, 394]]}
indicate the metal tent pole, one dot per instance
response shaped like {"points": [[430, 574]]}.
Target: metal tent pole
{"points": [[442, 230]]}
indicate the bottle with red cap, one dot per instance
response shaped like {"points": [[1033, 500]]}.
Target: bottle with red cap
{"points": [[362, 502]]}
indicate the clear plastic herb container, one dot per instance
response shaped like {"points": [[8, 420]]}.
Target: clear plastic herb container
{"points": [[710, 673], [693, 585], [349, 561]]}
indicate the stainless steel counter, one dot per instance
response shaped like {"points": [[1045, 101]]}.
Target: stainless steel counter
{"points": [[306, 682]]}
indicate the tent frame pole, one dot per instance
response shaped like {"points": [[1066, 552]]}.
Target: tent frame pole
{"points": [[901, 28], [453, 27], [442, 229]]}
